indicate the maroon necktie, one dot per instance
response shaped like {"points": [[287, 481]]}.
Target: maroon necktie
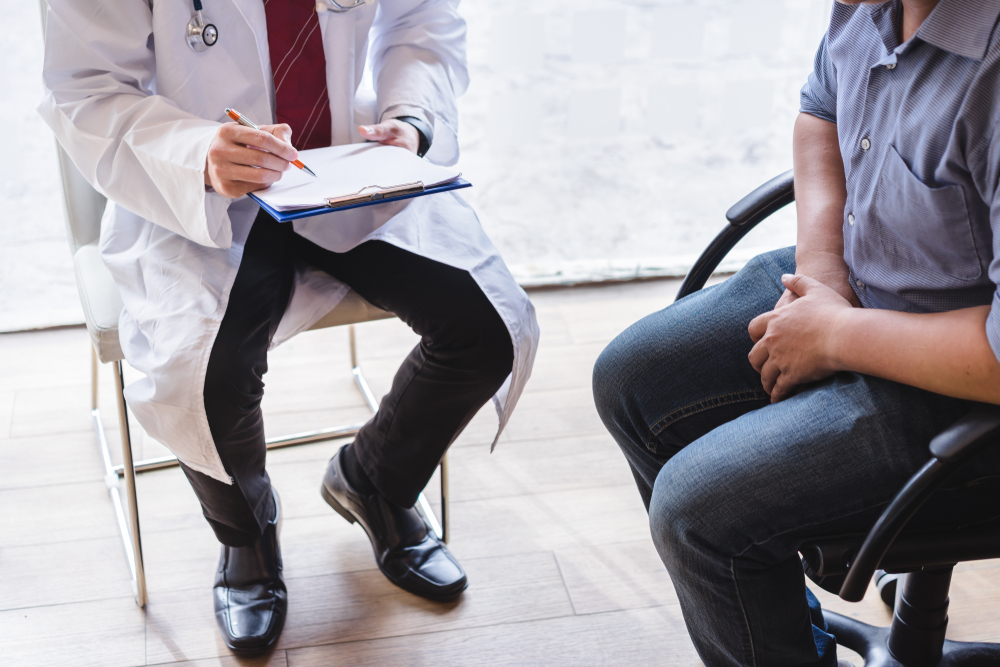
{"points": [[298, 63]]}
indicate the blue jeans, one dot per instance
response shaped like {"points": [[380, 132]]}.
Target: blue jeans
{"points": [[733, 485]]}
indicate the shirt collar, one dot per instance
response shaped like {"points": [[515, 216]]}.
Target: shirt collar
{"points": [[962, 27]]}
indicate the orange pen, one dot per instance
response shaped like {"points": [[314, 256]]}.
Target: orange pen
{"points": [[243, 120]]}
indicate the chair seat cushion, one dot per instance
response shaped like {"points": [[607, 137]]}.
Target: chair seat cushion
{"points": [[352, 309], [102, 305], [911, 550]]}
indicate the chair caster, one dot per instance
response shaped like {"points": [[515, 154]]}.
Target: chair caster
{"points": [[871, 643]]}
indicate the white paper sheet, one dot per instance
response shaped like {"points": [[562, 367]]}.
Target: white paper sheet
{"points": [[345, 170]]}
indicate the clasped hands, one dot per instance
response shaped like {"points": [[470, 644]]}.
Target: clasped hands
{"points": [[241, 159], [796, 343]]}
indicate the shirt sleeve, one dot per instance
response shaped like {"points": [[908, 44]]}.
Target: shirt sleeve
{"points": [[819, 95]]}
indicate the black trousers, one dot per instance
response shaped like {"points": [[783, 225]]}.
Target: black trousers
{"points": [[464, 356]]}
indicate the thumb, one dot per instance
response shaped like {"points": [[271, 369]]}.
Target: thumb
{"points": [[374, 132], [798, 284]]}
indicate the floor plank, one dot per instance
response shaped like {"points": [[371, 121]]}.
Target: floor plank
{"points": [[56, 513], [272, 659], [364, 605], [653, 636], [51, 410], [530, 467], [104, 633], [615, 577], [563, 367], [64, 572], [556, 414], [65, 458], [43, 359], [548, 521]]}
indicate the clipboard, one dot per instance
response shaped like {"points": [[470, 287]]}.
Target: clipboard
{"points": [[369, 196]]}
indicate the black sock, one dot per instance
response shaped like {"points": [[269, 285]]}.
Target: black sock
{"points": [[355, 474]]}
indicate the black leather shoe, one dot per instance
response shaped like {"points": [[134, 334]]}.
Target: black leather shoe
{"points": [[406, 549], [249, 594]]}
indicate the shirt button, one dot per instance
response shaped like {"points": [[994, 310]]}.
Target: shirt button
{"points": [[891, 66], [850, 219], [860, 284], [865, 144]]}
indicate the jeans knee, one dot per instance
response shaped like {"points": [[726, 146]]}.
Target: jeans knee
{"points": [[685, 516], [605, 380], [617, 375]]}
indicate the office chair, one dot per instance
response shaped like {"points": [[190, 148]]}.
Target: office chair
{"points": [[845, 564]]}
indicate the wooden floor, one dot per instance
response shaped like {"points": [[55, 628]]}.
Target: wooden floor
{"points": [[550, 526]]}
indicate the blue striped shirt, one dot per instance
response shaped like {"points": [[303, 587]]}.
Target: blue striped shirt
{"points": [[918, 130]]}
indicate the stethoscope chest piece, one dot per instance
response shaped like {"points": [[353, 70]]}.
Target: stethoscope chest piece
{"points": [[200, 35]]}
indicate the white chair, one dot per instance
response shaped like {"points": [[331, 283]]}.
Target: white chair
{"points": [[102, 307]]}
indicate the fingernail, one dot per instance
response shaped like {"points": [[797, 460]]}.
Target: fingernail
{"points": [[367, 129], [787, 276]]}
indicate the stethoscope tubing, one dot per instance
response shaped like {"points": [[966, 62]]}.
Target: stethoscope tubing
{"points": [[198, 27]]}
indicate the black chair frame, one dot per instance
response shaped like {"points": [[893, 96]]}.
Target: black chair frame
{"points": [[916, 637]]}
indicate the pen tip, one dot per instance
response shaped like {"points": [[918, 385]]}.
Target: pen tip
{"points": [[310, 172]]}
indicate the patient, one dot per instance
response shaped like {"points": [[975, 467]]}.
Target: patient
{"points": [[796, 398]]}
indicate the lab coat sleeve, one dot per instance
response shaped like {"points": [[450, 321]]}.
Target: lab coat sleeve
{"points": [[138, 149], [418, 60]]}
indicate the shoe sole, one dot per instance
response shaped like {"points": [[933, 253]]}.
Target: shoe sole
{"points": [[254, 651], [346, 513]]}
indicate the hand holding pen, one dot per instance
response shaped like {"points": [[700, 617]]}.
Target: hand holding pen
{"points": [[246, 122], [243, 159]]}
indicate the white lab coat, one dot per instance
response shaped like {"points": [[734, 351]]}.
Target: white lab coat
{"points": [[135, 108]]}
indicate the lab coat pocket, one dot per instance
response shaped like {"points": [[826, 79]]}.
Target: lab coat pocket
{"points": [[925, 230]]}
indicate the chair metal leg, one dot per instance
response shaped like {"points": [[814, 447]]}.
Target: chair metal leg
{"points": [[444, 499], [129, 528], [139, 573], [93, 378], [424, 507]]}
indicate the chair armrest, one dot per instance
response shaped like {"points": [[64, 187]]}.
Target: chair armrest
{"points": [[746, 214], [764, 201], [950, 449], [970, 434]]}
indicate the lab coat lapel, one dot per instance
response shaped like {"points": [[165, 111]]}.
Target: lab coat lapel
{"points": [[252, 12]]}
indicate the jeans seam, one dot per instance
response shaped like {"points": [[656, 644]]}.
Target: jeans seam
{"points": [[743, 610], [701, 406], [807, 525]]}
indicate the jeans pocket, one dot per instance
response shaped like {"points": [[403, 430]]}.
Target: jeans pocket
{"points": [[926, 232]]}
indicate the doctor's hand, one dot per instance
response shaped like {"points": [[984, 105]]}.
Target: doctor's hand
{"points": [[794, 344], [241, 159], [393, 133]]}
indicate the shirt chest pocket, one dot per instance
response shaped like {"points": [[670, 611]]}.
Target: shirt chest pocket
{"points": [[925, 230]]}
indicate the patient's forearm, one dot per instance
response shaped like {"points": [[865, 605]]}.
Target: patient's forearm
{"points": [[947, 353], [820, 197]]}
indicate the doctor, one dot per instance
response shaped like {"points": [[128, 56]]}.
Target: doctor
{"points": [[136, 93]]}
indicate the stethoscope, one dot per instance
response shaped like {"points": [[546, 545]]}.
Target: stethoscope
{"points": [[201, 35]]}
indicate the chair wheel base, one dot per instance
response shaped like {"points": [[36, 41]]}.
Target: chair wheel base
{"points": [[870, 643]]}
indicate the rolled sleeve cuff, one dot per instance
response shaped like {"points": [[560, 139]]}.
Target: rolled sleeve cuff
{"points": [[816, 101], [416, 117]]}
